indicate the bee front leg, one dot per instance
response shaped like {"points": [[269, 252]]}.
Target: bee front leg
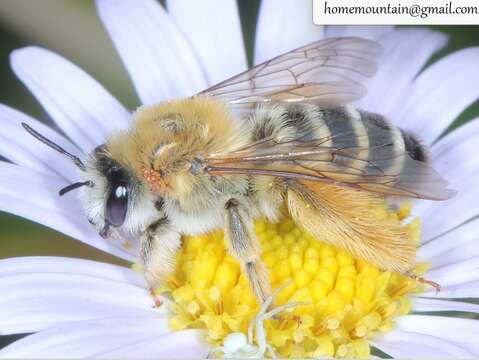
{"points": [[243, 246], [159, 244]]}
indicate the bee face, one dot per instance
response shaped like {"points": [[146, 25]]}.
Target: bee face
{"points": [[117, 203]]}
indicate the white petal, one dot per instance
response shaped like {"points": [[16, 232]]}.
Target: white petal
{"points": [[214, 31], [457, 146], [33, 195], [373, 32], [158, 58], [80, 106], [462, 332], [464, 290], [458, 252], [422, 304], [284, 25], [406, 51], [41, 292], [103, 337], [462, 171], [459, 273], [451, 141], [20, 147], [57, 264], [412, 345], [173, 345], [446, 215], [438, 250], [441, 93]]}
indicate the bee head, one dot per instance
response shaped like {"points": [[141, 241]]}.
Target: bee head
{"points": [[118, 202], [113, 199]]}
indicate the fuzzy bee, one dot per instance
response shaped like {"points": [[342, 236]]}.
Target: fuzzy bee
{"points": [[283, 132]]}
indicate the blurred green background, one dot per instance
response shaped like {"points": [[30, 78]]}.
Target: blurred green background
{"points": [[72, 28]]}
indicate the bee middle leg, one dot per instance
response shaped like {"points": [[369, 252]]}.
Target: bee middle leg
{"points": [[243, 246], [159, 244]]}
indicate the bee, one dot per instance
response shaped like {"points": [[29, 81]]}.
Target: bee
{"points": [[283, 132]]}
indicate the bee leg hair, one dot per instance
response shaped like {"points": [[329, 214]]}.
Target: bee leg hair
{"points": [[159, 244], [410, 274], [243, 246]]}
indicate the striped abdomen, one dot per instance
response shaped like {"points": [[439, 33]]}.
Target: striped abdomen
{"points": [[357, 145]]}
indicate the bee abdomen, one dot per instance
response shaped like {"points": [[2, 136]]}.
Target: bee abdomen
{"points": [[414, 148], [366, 142], [391, 147]]}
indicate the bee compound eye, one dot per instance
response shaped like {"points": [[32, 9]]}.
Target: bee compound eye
{"points": [[116, 205]]}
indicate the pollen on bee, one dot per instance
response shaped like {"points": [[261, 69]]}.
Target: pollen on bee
{"points": [[348, 299], [154, 180]]}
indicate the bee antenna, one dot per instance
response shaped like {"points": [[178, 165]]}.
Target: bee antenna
{"points": [[75, 186], [54, 146]]}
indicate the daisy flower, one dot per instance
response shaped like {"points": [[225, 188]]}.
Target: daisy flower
{"points": [[80, 308]]}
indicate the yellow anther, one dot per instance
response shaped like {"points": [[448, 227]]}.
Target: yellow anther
{"points": [[282, 252], [290, 239], [282, 270], [286, 226], [184, 294], [364, 289], [295, 261], [359, 331], [311, 253], [286, 293], [311, 265], [269, 258], [259, 227], [342, 351], [215, 294], [297, 233], [371, 320], [345, 285], [302, 278], [319, 290], [332, 324], [344, 258], [347, 271], [326, 252], [336, 302], [226, 275], [330, 263], [276, 241], [298, 336], [361, 348], [325, 347], [296, 249], [388, 310], [197, 243], [193, 308], [404, 305], [327, 276]]}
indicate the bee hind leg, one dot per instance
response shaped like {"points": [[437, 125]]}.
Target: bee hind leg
{"points": [[437, 287], [157, 302], [243, 246]]}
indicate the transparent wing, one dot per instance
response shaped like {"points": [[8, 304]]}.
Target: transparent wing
{"points": [[379, 167], [326, 72]]}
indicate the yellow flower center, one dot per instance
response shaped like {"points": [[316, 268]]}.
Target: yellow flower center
{"points": [[348, 299]]}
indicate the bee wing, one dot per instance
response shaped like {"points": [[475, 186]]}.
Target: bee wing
{"points": [[326, 72], [380, 167]]}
